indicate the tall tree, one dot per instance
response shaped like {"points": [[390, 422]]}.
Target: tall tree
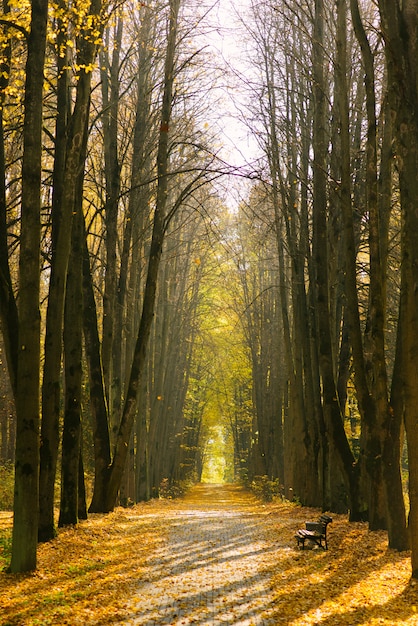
{"points": [[399, 24], [86, 46], [110, 119], [386, 504], [8, 307], [25, 510], [72, 477], [125, 428]]}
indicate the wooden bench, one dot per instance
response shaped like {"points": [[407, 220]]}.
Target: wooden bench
{"points": [[315, 533]]}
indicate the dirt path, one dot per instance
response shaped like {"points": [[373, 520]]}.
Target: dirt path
{"points": [[212, 568]]}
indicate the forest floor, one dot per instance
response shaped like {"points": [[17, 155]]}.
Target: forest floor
{"points": [[216, 556]]}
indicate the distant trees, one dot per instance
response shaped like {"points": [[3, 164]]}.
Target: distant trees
{"points": [[258, 304], [181, 170]]}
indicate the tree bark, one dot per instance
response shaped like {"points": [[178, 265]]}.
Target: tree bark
{"points": [[73, 368], [77, 128], [332, 412], [98, 404], [8, 306], [53, 340], [26, 504], [399, 24], [110, 98], [141, 346]]}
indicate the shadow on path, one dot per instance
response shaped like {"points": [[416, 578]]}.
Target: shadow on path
{"points": [[210, 569], [228, 559]]}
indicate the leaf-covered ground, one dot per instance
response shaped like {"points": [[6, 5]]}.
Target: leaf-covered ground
{"points": [[357, 581], [144, 565]]}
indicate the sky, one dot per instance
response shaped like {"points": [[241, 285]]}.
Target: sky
{"points": [[225, 37]]}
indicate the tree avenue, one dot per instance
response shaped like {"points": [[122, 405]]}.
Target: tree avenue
{"points": [[156, 334]]}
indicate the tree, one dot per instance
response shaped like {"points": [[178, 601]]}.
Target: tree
{"points": [[258, 276], [71, 477], [25, 510], [74, 129], [110, 120], [8, 306], [399, 30], [386, 504]]}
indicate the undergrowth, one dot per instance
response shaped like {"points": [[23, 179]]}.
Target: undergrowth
{"points": [[5, 548], [265, 488], [6, 485]]}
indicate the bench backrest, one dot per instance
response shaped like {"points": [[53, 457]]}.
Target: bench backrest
{"points": [[320, 526], [316, 527]]}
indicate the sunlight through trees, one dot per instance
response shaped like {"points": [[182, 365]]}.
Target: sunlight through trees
{"points": [[208, 253]]}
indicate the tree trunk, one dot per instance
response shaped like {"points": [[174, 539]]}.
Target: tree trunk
{"points": [[399, 27], [409, 310], [98, 404], [82, 505], [110, 97], [143, 491], [332, 413], [73, 340], [141, 346], [77, 128], [398, 532], [26, 492], [61, 233], [8, 308]]}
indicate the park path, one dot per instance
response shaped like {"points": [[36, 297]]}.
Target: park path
{"points": [[213, 567]]}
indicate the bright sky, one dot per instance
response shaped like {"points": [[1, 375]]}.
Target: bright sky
{"points": [[227, 41]]}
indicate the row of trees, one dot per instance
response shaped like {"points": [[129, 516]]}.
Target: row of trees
{"points": [[113, 289], [106, 163], [330, 303]]}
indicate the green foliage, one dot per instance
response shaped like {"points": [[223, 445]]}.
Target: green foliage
{"points": [[265, 488], [5, 548], [6, 486], [169, 491], [242, 476], [219, 398]]}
